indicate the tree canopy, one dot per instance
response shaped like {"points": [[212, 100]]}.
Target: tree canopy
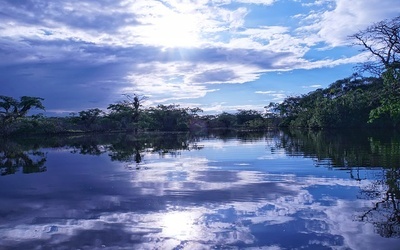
{"points": [[345, 103], [11, 109], [382, 41]]}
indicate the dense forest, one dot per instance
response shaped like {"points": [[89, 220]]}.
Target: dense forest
{"points": [[356, 101], [350, 102]]}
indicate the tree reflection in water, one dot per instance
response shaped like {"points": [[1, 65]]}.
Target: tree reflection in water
{"points": [[127, 148], [14, 156], [131, 148], [385, 214], [354, 152]]}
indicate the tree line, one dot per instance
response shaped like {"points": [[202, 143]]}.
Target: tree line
{"points": [[349, 102], [127, 115]]}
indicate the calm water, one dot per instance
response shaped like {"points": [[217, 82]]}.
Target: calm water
{"points": [[279, 190]]}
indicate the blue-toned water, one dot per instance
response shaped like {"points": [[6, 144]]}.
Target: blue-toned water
{"points": [[278, 190]]}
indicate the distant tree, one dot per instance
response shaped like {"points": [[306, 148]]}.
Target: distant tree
{"points": [[168, 118], [243, 116], [12, 109], [226, 120], [127, 112], [272, 110], [90, 116], [194, 112], [289, 108]]}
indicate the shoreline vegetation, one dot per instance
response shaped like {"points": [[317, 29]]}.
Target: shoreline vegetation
{"points": [[358, 101], [158, 119]]}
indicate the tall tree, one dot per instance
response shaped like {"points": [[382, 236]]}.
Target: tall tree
{"points": [[11, 109], [127, 111], [382, 40]]}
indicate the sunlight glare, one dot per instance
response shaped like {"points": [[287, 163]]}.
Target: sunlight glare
{"points": [[179, 225], [176, 30]]}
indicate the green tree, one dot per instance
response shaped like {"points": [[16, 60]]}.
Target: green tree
{"points": [[90, 116], [382, 41], [226, 120], [390, 97], [345, 103], [168, 118], [12, 109], [127, 112], [243, 116]]}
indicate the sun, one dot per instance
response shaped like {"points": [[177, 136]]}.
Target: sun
{"points": [[176, 30]]}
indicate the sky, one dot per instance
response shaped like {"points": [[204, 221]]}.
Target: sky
{"points": [[218, 55]]}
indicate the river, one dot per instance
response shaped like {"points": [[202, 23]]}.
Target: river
{"points": [[273, 190]]}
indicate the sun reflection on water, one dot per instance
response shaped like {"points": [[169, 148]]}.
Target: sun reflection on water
{"points": [[180, 225]]}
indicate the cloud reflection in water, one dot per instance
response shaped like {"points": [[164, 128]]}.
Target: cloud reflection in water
{"points": [[189, 201]]}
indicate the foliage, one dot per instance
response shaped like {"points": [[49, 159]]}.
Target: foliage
{"points": [[161, 118], [90, 116], [14, 156], [247, 116], [12, 109], [225, 120], [127, 112], [390, 97], [382, 41], [345, 103], [166, 118]]}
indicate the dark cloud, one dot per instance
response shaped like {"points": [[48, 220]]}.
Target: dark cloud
{"points": [[261, 58], [85, 15], [70, 75], [215, 76], [65, 86]]}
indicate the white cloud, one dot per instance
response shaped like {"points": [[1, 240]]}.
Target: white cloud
{"points": [[335, 24], [274, 96], [236, 18], [359, 58], [223, 107], [272, 38], [314, 86], [317, 3], [263, 2]]}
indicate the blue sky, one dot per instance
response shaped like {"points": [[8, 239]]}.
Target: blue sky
{"points": [[219, 55]]}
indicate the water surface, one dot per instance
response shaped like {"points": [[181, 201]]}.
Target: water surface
{"points": [[278, 190]]}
